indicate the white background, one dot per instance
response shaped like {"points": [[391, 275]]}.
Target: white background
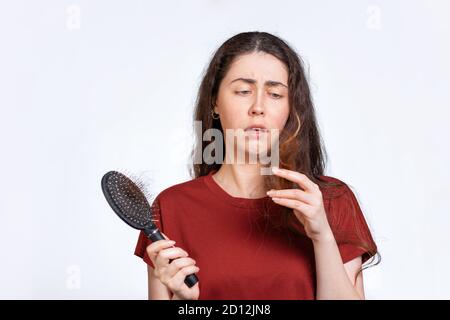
{"points": [[91, 86]]}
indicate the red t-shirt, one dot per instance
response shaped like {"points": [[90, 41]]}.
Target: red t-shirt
{"points": [[239, 255]]}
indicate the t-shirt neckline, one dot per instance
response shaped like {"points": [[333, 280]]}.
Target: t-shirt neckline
{"points": [[227, 198]]}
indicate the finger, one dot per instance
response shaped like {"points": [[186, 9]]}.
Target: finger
{"points": [[178, 264], [163, 257], [177, 281], [155, 247], [297, 177], [294, 194], [293, 204], [165, 235]]}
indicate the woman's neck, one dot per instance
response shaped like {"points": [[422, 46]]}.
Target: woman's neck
{"points": [[242, 181]]}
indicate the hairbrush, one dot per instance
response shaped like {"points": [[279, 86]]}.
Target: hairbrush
{"points": [[129, 202]]}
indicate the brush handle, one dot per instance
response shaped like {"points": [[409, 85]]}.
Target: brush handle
{"points": [[155, 235]]}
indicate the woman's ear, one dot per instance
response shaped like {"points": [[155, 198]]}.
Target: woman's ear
{"points": [[215, 108]]}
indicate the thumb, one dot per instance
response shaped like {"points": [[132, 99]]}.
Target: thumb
{"points": [[167, 238]]}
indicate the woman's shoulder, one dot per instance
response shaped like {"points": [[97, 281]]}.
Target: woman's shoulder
{"points": [[183, 189], [333, 187]]}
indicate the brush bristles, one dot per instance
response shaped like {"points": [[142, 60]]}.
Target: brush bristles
{"points": [[131, 195]]}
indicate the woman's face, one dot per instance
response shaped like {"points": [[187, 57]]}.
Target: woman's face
{"points": [[254, 92]]}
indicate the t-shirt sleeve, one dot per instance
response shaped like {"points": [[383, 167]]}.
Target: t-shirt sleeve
{"points": [[350, 228], [143, 241]]}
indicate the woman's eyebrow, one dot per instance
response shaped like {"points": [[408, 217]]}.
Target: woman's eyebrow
{"points": [[269, 83]]}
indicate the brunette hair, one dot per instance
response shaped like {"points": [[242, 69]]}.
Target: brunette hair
{"points": [[300, 144]]}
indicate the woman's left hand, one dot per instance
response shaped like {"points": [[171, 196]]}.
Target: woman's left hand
{"points": [[307, 204]]}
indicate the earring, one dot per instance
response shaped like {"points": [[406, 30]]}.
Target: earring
{"points": [[213, 113]]}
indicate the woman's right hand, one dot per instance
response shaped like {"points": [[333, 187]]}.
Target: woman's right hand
{"points": [[172, 274]]}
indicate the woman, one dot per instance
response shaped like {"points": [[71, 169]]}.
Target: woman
{"points": [[290, 234]]}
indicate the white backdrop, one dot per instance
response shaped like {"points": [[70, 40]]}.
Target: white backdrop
{"points": [[90, 86]]}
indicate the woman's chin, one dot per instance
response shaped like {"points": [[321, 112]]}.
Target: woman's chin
{"points": [[252, 155]]}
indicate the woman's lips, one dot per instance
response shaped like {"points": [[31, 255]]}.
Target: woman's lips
{"points": [[255, 132]]}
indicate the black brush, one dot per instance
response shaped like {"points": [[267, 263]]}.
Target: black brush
{"points": [[129, 202]]}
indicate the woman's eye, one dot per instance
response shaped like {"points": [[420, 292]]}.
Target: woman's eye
{"points": [[243, 91], [276, 95]]}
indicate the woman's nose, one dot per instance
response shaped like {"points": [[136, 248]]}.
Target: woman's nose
{"points": [[257, 111], [257, 108]]}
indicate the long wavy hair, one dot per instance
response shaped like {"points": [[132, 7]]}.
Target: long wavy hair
{"points": [[300, 144]]}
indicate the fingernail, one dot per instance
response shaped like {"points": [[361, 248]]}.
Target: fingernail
{"points": [[172, 242], [275, 169], [270, 192]]}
